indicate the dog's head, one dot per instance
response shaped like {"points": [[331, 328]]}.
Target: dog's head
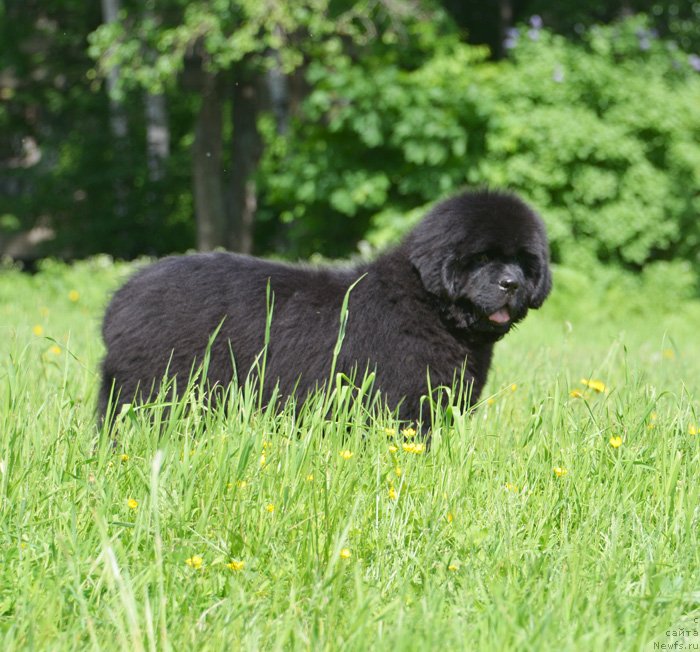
{"points": [[485, 256]]}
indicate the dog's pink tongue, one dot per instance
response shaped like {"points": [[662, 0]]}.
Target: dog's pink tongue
{"points": [[500, 316]]}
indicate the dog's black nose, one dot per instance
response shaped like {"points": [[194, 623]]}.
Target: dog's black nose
{"points": [[509, 284]]}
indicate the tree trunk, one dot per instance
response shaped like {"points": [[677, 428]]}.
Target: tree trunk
{"points": [[157, 136], [246, 150], [118, 123], [505, 22], [206, 161], [278, 90]]}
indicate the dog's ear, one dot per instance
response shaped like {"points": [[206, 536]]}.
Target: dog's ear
{"points": [[439, 275], [543, 283]]}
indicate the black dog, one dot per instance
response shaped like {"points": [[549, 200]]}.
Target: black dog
{"points": [[430, 306]]}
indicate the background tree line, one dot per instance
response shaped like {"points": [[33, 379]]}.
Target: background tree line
{"points": [[299, 127]]}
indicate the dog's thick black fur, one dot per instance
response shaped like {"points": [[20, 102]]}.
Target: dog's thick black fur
{"points": [[440, 299]]}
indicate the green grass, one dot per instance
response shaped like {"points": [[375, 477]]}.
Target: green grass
{"points": [[480, 542]]}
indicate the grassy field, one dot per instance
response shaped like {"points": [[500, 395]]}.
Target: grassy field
{"points": [[555, 517]]}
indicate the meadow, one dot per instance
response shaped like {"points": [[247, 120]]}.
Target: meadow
{"points": [[558, 515]]}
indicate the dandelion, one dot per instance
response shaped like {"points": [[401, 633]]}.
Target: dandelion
{"points": [[409, 433], [414, 447], [693, 430], [132, 504], [38, 330], [346, 454], [452, 567], [236, 565], [595, 385], [615, 442], [345, 553], [576, 393], [392, 493], [195, 561], [56, 350], [270, 508], [124, 458], [74, 295], [560, 471]]}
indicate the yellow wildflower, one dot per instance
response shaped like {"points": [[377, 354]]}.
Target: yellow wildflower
{"points": [[393, 449], [346, 454], [452, 567], [195, 561], [409, 433], [241, 484], [133, 504], [450, 517], [398, 471], [669, 354], [390, 432], [270, 508], [345, 553], [124, 458], [38, 330], [595, 385], [414, 447], [263, 460], [490, 401], [56, 350], [236, 565], [511, 487], [513, 387], [692, 430], [310, 477], [74, 295], [392, 493], [560, 471], [576, 393], [615, 442]]}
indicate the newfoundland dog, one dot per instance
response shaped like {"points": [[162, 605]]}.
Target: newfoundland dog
{"points": [[421, 314]]}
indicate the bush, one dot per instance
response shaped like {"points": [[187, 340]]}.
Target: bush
{"points": [[602, 136]]}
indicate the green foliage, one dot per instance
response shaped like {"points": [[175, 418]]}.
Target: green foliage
{"points": [[603, 137]]}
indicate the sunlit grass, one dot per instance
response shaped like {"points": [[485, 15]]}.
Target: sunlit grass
{"points": [[526, 526]]}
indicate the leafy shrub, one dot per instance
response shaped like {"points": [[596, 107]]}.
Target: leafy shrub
{"points": [[602, 136]]}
